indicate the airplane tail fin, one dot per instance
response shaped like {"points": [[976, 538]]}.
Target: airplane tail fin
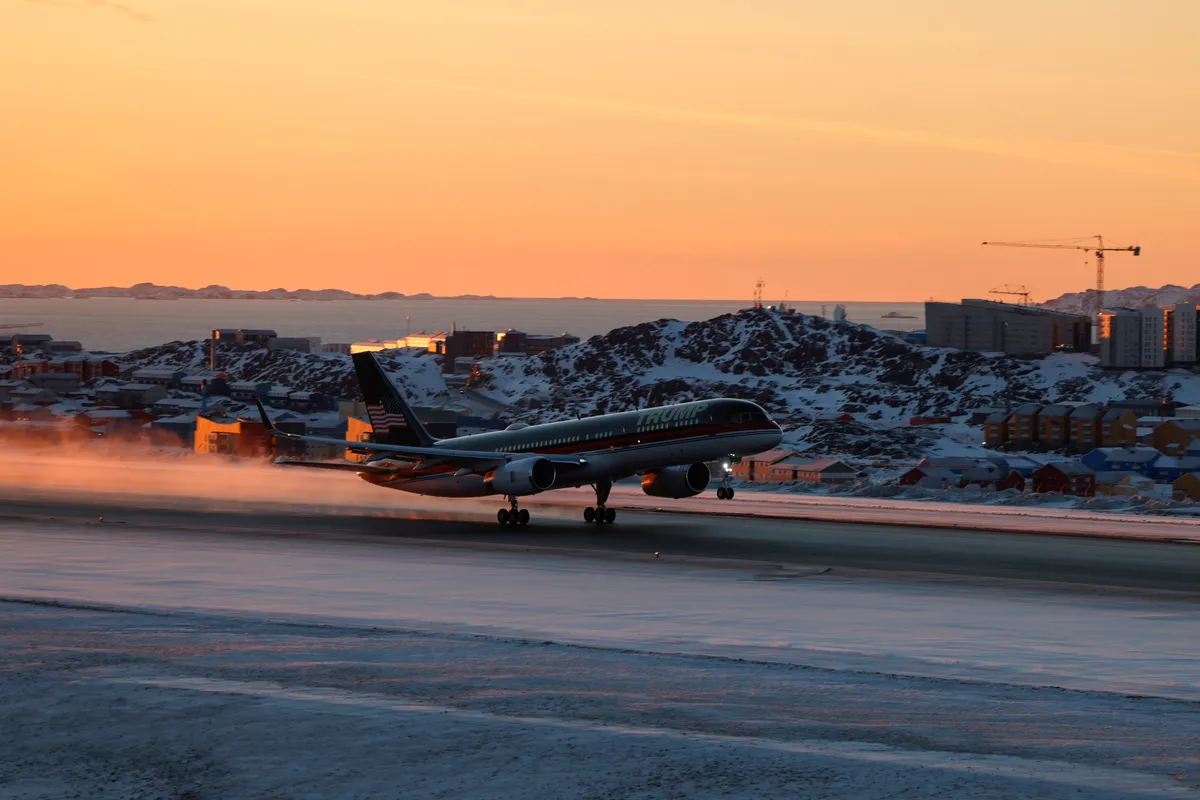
{"points": [[391, 417]]}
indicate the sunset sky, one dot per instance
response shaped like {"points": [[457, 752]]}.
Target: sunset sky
{"points": [[849, 149]]}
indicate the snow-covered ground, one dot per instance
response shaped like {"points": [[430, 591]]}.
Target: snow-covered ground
{"points": [[261, 667]]}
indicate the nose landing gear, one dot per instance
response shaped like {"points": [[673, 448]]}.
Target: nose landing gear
{"points": [[724, 490]]}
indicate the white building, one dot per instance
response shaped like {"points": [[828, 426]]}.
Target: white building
{"points": [[1183, 333], [1154, 340], [1120, 338]]}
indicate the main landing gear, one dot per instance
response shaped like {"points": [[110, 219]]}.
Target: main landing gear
{"points": [[513, 516], [725, 491], [601, 514]]}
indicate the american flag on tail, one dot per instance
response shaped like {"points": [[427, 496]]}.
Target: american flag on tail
{"points": [[386, 413]]}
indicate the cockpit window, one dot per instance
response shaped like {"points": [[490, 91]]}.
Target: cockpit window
{"points": [[740, 417]]}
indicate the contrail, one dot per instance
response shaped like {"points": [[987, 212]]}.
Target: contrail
{"points": [[111, 5]]}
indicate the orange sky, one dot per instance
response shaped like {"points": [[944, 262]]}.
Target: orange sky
{"points": [[841, 149]]}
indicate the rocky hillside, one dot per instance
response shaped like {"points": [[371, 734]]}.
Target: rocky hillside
{"points": [[805, 370], [1133, 297], [802, 368], [418, 376]]}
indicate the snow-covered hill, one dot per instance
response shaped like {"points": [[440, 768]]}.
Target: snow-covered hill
{"points": [[418, 376], [801, 367], [1133, 297], [805, 370]]}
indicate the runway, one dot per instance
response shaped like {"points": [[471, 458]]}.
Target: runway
{"points": [[1081, 561], [231, 645]]}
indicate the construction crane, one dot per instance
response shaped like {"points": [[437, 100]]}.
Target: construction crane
{"points": [[1020, 291], [1098, 248]]}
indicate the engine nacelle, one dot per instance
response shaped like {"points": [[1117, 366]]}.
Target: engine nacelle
{"points": [[523, 476], [677, 482]]}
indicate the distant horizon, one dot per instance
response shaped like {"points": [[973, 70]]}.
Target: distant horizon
{"points": [[377, 296]]}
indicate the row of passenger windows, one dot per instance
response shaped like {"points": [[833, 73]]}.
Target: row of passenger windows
{"points": [[546, 443]]}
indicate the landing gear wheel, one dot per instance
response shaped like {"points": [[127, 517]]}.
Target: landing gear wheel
{"points": [[729, 494], [502, 516], [523, 516], [610, 515], [720, 492], [589, 514]]}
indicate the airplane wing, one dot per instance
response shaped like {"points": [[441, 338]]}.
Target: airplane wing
{"points": [[472, 460], [348, 466]]}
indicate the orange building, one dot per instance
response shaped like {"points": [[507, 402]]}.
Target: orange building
{"points": [[1174, 436], [232, 437]]}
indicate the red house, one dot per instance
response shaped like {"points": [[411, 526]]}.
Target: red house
{"points": [[1066, 477]]}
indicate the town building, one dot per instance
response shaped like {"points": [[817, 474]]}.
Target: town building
{"points": [[1185, 320], [8, 386], [993, 476], [32, 396], [1118, 428], [377, 345], [1052, 424], [1065, 477], [758, 467], [995, 428], [1084, 427], [1166, 469], [165, 377], [1121, 459], [1147, 406], [297, 344], [991, 327], [58, 382], [258, 336], [129, 395], [1023, 428], [1174, 436], [1123, 484], [358, 429], [931, 478], [513, 342], [1120, 337], [463, 344], [176, 406], [336, 347], [232, 437], [1186, 487], [797, 467], [249, 391], [30, 342], [194, 384], [173, 431], [1155, 338]]}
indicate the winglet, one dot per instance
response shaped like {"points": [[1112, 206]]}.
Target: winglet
{"points": [[262, 412]]}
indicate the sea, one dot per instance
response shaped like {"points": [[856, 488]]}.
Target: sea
{"points": [[120, 324]]}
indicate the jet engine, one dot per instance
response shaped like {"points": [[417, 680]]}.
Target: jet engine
{"points": [[523, 476], [676, 482]]}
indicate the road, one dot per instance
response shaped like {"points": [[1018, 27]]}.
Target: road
{"points": [[1113, 563]]}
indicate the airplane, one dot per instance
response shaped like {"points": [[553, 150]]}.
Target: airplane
{"points": [[669, 446]]}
